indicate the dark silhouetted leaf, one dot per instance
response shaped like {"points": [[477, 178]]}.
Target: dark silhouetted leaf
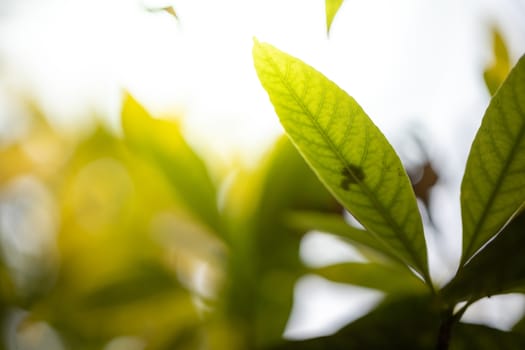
{"points": [[498, 268], [470, 336]]}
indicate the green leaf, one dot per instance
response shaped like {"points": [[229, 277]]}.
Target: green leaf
{"points": [[331, 8], [387, 278], [163, 143], [346, 150], [498, 268], [498, 70], [335, 224], [519, 327], [493, 187]]}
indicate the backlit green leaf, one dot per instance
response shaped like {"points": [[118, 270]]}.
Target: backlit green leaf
{"points": [[163, 143], [493, 187], [346, 150], [331, 8]]}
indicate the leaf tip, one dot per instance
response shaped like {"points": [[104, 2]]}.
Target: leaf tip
{"points": [[133, 115]]}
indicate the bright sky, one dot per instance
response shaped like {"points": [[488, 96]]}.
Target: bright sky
{"points": [[402, 60], [409, 63]]}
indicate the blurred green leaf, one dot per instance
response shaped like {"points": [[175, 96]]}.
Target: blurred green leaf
{"points": [[497, 71], [493, 187], [86, 318], [331, 8], [336, 225], [5, 302], [140, 281], [390, 279], [163, 142], [6, 286], [287, 184], [346, 150], [498, 268], [264, 253], [114, 277], [519, 327]]}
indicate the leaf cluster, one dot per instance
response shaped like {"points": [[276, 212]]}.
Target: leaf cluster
{"points": [[355, 162]]}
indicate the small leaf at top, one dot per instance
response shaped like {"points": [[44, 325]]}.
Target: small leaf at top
{"points": [[168, 9], [331, 8], [498, 70], [493, 187], [346, 150]]}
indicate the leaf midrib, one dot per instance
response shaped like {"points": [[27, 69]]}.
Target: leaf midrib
{"points": [[499, 183], [397, 230]]}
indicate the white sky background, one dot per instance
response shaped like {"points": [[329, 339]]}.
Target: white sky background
{"points": [[407, 62]]}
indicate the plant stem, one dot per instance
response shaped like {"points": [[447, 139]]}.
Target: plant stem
{"points": [[445, 329]]}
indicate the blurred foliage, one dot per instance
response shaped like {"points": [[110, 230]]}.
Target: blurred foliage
{"points": [[136, 244]]}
